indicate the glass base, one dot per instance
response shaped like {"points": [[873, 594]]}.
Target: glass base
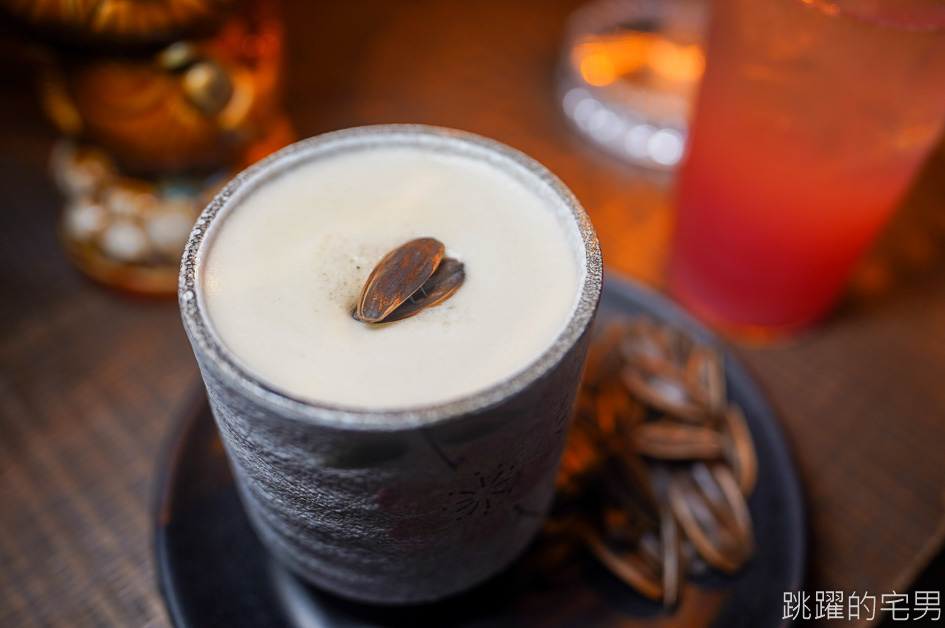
{"points": [[739, 331]]}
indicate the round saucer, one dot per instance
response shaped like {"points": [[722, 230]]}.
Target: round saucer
{"points": [[214, 572]]}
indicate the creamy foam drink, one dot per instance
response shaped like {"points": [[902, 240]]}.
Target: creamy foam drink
{"points": [[392, 461], [283, 269]]}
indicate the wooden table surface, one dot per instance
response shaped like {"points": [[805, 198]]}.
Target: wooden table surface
{"points": [[92, 382]]}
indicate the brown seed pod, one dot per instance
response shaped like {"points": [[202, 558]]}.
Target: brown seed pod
{"points": [[739, 449], [704, 376], [632, 568], [676, 461], [673, 572], [743, 528], [670, 440], [445, 280], [409, 279], [721, 544], [666, 395], [646, 351]]}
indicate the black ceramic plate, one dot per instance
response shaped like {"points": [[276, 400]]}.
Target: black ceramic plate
{"points": [[214, 572]]}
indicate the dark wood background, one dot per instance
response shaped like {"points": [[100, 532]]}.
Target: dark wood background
{"points": [[92, 382]]}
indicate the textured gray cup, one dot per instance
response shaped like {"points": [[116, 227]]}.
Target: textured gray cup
{"points": [[405, 505]]}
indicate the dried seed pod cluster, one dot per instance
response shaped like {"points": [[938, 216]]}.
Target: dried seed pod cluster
{"points": [[660, 463]]}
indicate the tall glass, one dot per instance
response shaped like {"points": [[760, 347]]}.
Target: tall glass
{"points": [[813, 118]]}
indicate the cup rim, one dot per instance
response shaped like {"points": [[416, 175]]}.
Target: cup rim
{"points": [[213, 354]]}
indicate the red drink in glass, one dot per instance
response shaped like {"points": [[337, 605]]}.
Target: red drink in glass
{"points": [[811, 122]]}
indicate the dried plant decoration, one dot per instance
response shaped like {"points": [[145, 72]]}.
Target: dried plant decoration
{"points": [[659, 463]]}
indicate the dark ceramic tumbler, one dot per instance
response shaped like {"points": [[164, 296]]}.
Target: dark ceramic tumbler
{"points": [[410, 505]]}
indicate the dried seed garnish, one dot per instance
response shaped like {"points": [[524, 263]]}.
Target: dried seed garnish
{"points": [[724, 542], [705, 379], [707, 535], [736, 501], [445, 280], [410, 278], [659, 460], [632, 568], [739, 450], [672, 565], [671, 440], [664, 394]]}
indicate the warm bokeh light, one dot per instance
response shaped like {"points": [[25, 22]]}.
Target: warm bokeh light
{"points": [[602, 60], [597, 68], [683, 63]]}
